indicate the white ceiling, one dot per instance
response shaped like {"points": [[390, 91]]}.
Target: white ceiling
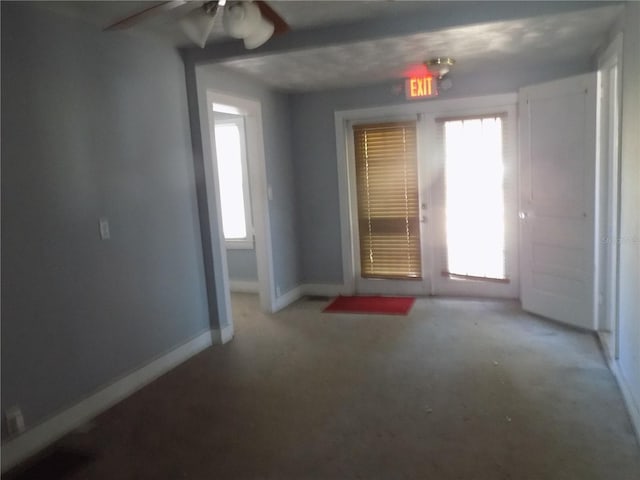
{"points": [[539, 40], [298, 14], [534, 41]]}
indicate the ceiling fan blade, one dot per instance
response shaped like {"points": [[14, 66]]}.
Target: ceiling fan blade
{"points": [[146, 13], [279, 24]]}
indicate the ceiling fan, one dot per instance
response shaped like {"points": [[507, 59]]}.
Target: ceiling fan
{"points": [[252, 21]]}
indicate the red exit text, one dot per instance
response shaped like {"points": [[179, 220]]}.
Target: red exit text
{"points": [[420, 87]]}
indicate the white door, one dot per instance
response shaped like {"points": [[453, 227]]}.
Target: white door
{"points": [[474, 203], [557, 185], [386, 206]]}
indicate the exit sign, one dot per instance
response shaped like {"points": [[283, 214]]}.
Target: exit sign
{"points": [[420, 87]]}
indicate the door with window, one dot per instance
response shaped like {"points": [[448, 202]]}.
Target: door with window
{"points": [[387, 213], [434, 205], [474, 204]]}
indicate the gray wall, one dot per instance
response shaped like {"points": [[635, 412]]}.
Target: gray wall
{"points": [[93, 124], [242, 264], [314, 148], [630, 206], [276, 119]]}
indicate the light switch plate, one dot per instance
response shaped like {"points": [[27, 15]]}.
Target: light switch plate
{"points": [[15, 420], [105, 234]]}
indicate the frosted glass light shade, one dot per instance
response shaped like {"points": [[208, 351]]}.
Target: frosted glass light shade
{"points": [[262, 33], [244, 20], [197, 25]]}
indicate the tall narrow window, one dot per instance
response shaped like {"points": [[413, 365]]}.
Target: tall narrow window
{"points": [[388, 204], [233, 182], [474, 182]]}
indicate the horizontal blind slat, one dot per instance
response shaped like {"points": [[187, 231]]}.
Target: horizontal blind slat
{"points": [[387, 195]]}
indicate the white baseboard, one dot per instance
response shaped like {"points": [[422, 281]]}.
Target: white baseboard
{"points": [[633, 405], [42, 435], [320, 289], [287, 299], [220, 336], [324, 289], [244, 286]]}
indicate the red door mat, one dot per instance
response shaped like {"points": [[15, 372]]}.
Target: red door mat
{"points": [[371, 304]]}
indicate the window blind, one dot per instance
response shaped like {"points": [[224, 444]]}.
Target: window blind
{"points": [[388, 201]]}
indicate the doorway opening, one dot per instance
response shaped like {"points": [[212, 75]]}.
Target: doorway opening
{"points": [[235, 200], [235, 129]]}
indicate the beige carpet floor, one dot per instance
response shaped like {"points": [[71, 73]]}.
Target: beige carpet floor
{"points": [[459, 389]]}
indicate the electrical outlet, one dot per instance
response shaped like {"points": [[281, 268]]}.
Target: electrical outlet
{"points": [[15, 420]]}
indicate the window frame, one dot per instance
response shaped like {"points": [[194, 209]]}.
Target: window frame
{"points": [[248, 242]]}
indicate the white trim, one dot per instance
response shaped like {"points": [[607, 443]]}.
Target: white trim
{"points": [[344, 200], [241, 244], [429, 107], [325, 289], [223, 335], [244, 286], [632, 404], [40, 436], [613, 52], [605, 290], [317, 289], [288, 298], [252, 111]]}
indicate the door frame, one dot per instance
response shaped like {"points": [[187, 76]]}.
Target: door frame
{"points": [[252, 112], [607, 227], [430, 108], [379, 285]]}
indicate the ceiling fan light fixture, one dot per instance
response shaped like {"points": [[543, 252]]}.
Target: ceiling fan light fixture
{"points": [[197, 24], [244, 20], [261, 33], [440, 66]]}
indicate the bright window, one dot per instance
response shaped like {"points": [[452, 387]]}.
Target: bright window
{"points": [[232, 176], [475, 212]]}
